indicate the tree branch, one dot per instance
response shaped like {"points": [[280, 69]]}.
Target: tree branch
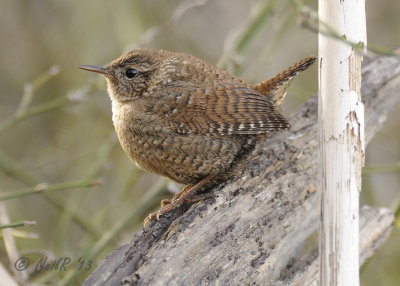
{"points": [[259, 221]]}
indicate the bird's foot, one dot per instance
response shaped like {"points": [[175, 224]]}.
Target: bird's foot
{"points": [[165, 202], [187, 196]]}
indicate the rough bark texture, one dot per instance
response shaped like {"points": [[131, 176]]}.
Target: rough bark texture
{"points": [[254, 231], [375, 227]]}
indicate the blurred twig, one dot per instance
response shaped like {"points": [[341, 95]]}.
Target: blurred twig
{"points": [[107, 238], [138, 210], [381, 169], [42, 188], [74, 202], [24, 234], [34, 111], [131, 181], [9, 243], [152, 32], [23, 111], [309, 19], [8, 165], [395, 207], [287, 18], [11, 167], [18, 224], [31, 87], [240, 39], [28, 112]]}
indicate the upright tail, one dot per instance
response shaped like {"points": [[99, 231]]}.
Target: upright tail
{"points": [[276, 87]]}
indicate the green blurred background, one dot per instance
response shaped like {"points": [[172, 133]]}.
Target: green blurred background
{"points": [[62, 131]]}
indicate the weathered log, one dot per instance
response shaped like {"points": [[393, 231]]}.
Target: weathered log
{"points": [[375, 227], [260, 219]]}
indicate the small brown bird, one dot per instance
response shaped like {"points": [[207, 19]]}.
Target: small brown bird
{"points": [[182, 118]]}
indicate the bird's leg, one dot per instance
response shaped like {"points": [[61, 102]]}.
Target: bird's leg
{"points": [[186, 196], [165, 202]]}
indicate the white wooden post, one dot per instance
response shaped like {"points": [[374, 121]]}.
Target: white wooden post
{"points": [[341, 140]]}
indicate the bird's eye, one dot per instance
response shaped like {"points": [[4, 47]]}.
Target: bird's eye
{"points": [[131, 73]]}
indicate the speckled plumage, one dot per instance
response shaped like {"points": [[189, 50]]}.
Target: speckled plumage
{"points": [[185, 119]]}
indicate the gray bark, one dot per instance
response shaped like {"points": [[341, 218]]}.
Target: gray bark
{"points": [[255, 231]]}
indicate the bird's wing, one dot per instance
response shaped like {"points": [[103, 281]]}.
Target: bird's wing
{"points": [[219, 109]]}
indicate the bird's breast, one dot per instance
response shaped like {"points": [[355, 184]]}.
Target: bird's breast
{"points": [[157, 148]]}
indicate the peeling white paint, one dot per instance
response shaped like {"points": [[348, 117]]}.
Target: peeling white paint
{"points": [[341, 140]]}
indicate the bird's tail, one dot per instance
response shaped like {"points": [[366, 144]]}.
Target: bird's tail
{"points": [[276, 87]]}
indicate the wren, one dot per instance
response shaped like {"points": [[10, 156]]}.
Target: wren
{"points": [[180, 117]]}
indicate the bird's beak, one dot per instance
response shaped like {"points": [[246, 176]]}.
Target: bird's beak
{"points": [[102, 70]]}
